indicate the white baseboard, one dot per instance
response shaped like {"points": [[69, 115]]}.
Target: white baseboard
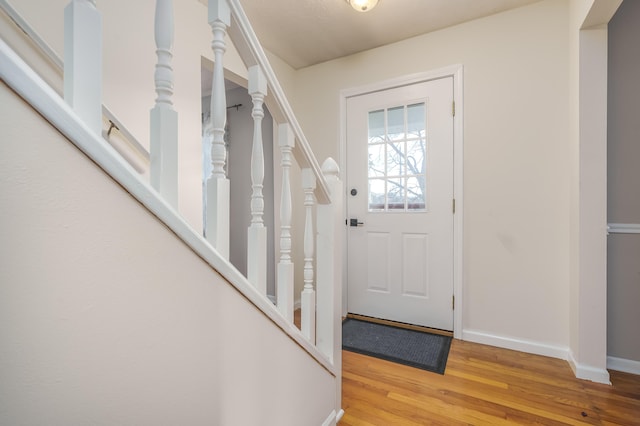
{"points": [[624, 365], [297, 304], [272, 298], [332, 420], [587, 372], [521, 345], [581, 371]]}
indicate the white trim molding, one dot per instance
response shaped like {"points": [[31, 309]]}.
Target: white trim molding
{"points": [[522, 345], [623, 228], [587, 372], [333, 418], [581, 371], [624, 365]]}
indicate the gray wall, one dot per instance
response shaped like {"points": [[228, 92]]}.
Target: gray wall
{"points": [[623, 295], [240, 135], [240, 140]]}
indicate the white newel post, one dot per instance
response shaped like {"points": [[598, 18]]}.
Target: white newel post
{"points": [[257, 232], [83, 62], [217, 187], [164, 118], [286, 141], [308, 298], [330, 219]]}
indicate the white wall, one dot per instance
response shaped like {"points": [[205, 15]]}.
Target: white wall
{"points": [[107, 318], [588, 139], [516, 158]]}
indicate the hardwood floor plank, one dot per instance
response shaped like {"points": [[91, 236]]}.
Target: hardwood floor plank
{"points": [[483, 385]]}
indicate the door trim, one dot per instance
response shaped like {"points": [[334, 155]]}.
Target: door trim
{"points": [[455, 71]]}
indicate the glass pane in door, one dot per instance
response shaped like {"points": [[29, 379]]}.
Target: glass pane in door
{"points": [[398, 158]]}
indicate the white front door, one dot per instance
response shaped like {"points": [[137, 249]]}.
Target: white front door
{"points": [[400, 204]]}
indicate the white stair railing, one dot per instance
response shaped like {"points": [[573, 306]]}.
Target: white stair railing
{"points": [[322, 207], [226, 17], [113, 131]]}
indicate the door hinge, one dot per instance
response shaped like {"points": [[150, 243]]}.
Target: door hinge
{"points": [[454, 206], [453, 108], [453, 302]]}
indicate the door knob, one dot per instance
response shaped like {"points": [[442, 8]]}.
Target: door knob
{"points": [[354, 222]]}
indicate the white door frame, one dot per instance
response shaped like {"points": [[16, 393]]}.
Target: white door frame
{"points": [[455, 71]]}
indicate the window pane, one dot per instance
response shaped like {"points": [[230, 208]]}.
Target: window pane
{"points": [[395, 194], [376, 194], [395, 123], [376, 160], [395, 159], [416, 157], [376, 126], [416, 120], [416, 191]]}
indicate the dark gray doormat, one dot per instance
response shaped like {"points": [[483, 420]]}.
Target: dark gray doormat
{"points": [[414, 348]]}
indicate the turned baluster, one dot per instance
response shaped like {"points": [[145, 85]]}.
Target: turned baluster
{"points": [[286, 141], [217, 185], [308, 299], [164, 118], [257, 232]]}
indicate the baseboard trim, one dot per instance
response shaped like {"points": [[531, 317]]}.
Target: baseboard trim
{"points": [[521, 345], [333, 418], [587, 372], [624, 365]]}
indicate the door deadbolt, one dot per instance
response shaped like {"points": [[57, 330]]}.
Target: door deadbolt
{"points": [[354, 192]]}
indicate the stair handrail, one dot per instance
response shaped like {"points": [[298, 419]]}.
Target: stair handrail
{"points": [[108, 115], [251, 52]]}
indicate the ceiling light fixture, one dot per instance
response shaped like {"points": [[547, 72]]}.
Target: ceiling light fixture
{"points": [[363, 5]]}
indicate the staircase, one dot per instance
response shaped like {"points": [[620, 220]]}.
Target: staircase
{"points": [[114, 308]]}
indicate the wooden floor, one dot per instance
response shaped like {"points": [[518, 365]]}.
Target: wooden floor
{"points": [[483, 385]]}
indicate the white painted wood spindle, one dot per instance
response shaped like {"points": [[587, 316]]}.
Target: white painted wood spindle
{"points": [[218, 187], [83, 62], [257, 232], [330, 220], [164, 118], [308, 298], [286, 141]]}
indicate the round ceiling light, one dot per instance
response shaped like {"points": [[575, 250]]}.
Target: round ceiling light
{"points": [[363, 5]]}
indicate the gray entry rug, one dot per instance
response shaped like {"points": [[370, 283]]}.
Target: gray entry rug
{"points": [[414, 348]]}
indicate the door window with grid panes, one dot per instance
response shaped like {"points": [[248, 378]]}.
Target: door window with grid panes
{"points": [[397, 163]]}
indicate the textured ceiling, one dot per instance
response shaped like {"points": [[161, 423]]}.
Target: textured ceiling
{"points": [[307, 32]]}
